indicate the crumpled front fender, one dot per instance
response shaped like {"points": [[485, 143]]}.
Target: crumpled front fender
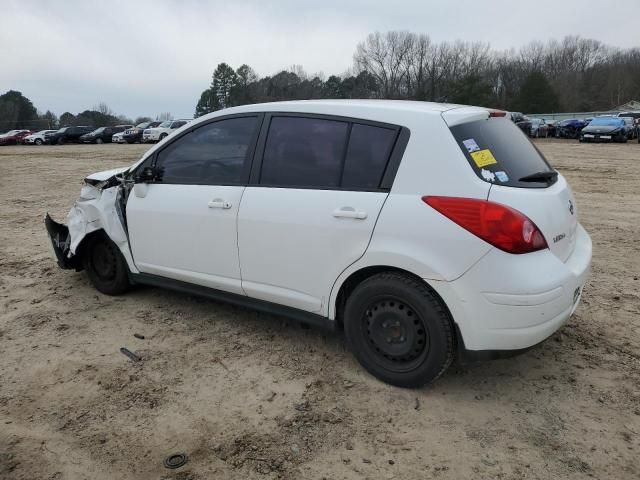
{"points": [[95, 210], [91, 214]]}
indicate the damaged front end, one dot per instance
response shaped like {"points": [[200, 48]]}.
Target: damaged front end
{"points": [[101, 207], [60, 241]]}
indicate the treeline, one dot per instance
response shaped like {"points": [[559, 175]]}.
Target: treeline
{"points": [[574, 74], [17, 112]]}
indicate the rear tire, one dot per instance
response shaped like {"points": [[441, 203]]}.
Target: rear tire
{"points": [[105, 266], [399, 330]]}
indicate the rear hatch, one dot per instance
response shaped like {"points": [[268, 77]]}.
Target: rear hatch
{"points": [[500, 154]]}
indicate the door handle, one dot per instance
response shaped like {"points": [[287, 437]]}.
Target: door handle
{"points": [[349, 212], [219, 203]]}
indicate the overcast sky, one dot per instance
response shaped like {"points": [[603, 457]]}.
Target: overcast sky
{"points": [[145, 57]]}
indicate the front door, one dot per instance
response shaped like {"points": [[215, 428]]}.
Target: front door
{"points": [[184, 227]]}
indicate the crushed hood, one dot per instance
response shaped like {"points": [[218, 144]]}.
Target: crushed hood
{"points": [[105, 175]]}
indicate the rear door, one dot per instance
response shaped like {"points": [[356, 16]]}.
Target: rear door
{"points": [[184, 227], [500, 154], [311, 207]]}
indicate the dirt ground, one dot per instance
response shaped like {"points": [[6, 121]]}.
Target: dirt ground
{"points": [[249, 395]]}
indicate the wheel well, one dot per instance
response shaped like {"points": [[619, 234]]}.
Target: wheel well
{"points": [[82, 246], [356, 278]]}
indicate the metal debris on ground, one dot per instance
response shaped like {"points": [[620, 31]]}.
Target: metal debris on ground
{"points": [[130, 354], [176, 460]]}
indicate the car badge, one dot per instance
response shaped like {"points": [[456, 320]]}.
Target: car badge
{"points": [[570, 207]]}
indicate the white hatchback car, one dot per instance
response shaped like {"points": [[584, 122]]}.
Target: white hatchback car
{"points": [[162, 131], [424, 230]]}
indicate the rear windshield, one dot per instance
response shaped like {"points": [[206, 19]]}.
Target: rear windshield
{"points": [[500, 153]]}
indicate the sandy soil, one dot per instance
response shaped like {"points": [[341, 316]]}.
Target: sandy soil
{"points": [[248, 395]]}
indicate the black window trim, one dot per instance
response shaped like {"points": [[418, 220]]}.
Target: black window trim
{"points": [[152, 160], [388, 176]]}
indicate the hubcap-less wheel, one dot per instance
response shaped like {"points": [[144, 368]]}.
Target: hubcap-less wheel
{"points": [[397, 336], [105, 265], [399, 329], [103, 261]]}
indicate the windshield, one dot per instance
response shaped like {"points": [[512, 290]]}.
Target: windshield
{"points": [[143, 125], [607, 122], [164, 125], [12, 132], [62, 130], [98, 130]]}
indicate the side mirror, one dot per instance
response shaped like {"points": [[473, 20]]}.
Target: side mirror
{"points": [[147, 175]]}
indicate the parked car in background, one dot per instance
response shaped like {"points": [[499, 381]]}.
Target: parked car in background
{"points": [[14, 137], [248, 205], [634, 115], [162, 131], [551, 128], [521, 121], [118, 138], [37, 138], [103, 134], [630, 127], [569, 128], [134, 134], [48, 135], [69, 135], [539, 128], [605, 129]]}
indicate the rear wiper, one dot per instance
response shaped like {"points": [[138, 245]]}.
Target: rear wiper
{"points": [[548, 177]]}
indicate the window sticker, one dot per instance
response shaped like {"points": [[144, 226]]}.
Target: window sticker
{"points": [[488, 175], [502, 176], [483, 158], [471, 145]]}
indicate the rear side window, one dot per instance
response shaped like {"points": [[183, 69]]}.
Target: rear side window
{"points": [[304, 152], [214, 154], [367, 156], [500, 153]]}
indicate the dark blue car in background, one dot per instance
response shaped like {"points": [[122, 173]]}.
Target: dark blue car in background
{"points": [[570, 128]]}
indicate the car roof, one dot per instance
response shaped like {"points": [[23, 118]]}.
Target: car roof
{"points": [[342, 107], [387, 111]]}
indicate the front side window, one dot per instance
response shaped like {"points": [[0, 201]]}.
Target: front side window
{"points": [[214, 154], [304, 152]]}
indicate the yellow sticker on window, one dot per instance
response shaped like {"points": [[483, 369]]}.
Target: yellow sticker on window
{"points": [[483, 158]]}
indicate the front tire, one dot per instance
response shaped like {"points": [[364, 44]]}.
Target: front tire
{"points": [[105, 265], [38, 142], [163, 136], [399, 330], [99, 141]]}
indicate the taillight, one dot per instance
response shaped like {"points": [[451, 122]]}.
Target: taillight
{"points": [[497, 113], [501, 226]]}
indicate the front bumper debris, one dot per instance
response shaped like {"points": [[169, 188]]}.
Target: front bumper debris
{"points": [[60, 242]]}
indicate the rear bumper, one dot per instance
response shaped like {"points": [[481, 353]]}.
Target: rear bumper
{"points": [[513, 302]]}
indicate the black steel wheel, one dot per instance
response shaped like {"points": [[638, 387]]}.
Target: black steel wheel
{"points": [[395, 333], [105, 265], [399, 329]]}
